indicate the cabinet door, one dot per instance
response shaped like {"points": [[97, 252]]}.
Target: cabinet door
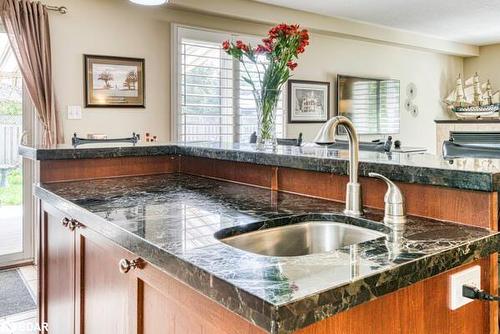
{"points": [[168, 306], [57, 294], [102, 297], [121, 294]]}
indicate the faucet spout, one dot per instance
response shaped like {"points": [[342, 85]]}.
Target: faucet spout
{"points": [[325, 136]]}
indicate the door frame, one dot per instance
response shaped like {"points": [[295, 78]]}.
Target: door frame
{"points": [[30, 172]]}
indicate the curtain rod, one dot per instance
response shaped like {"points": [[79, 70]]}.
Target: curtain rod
{"points": [[60, 9]]}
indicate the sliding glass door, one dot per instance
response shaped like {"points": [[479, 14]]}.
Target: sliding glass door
{"points": [[16, 232]]}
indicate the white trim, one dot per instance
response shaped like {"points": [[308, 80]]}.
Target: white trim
{"points": [[174, 103], [30, 176]]}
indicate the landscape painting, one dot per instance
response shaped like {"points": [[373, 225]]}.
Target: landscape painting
{"points": [[114, 82]]}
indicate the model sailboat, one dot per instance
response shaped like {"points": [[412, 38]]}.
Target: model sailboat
{"points": [[473, 100]]}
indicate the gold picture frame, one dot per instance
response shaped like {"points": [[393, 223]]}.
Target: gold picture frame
{"points": [[114, 82]]}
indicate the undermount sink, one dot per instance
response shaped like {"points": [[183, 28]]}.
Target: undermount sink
{"points": [[305, 238]]}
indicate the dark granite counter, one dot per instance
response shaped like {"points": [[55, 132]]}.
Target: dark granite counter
{"points": [[170, 220], [422, 168]]}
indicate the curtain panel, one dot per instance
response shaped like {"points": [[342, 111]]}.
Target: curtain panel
{"points": [[27, 26]]}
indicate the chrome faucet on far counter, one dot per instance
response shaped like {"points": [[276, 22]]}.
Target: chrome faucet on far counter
{"points": [[395, 214], [326, 136]]}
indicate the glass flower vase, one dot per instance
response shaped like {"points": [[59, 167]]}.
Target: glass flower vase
{"points": [[266, 119]]}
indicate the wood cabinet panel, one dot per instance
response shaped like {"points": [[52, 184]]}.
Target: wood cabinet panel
{"points": [[461, 206], [468, 207], [421, 308], [163, 297], [102, 291], [57, 273], [87, 169]]}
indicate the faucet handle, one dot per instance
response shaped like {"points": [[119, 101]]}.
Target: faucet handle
{"points": [[394, 201]]}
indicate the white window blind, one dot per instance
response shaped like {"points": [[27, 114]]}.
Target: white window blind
{"points": [[372, 105], [213, 103]]}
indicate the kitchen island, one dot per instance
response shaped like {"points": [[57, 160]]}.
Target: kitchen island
{"points": [[171, 215]]}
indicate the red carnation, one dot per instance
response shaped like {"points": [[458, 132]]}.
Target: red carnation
{"points": [[267, 42], [263, 49], [242, 46], [226, 45], [304, 34], [291, 65]]}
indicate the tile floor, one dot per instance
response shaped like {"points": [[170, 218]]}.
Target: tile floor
{"points": [[26, 322]]}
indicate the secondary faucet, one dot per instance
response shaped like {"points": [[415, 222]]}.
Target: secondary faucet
{"points": [[395, 213], [326, 136]]}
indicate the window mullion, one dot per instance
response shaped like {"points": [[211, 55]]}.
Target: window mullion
{"points": [[236, 101]]}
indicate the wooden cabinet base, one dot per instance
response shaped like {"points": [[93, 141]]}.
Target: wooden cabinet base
{"points": [[421, 308], [84, 290]]}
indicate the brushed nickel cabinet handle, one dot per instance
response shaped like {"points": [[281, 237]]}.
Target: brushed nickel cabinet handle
{"points": [[65, 221], [126, 265], [73, 224]]}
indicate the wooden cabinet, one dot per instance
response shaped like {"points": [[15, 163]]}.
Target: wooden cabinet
{"points": [[102, 295], [92, 286], [57, 274]]}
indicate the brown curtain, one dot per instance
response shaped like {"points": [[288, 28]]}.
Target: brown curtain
{"points": [[27, 25]]}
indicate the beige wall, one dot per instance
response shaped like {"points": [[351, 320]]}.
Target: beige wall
{"points": [[115, 27], [487, 65]]}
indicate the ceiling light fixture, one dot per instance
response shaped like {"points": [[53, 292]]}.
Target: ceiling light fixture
{"points": [[149, 2]]}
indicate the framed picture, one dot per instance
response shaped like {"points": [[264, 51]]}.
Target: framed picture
{"points": [[308, 101], [114, 82]]}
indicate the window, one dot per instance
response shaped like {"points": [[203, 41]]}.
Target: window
{"points": [[212, 102], [371, 104]]}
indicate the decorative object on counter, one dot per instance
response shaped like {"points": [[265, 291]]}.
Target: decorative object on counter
{"points": [[466, 144], [96, 136], [267, 68], [474, 100], [114, 82], [76, 141], [308, 101], [150, 138], [280, 141]]}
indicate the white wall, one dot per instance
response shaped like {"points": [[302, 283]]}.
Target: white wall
{"points": [[118, 28], [487, 65], [105, 28], [432, 73]]}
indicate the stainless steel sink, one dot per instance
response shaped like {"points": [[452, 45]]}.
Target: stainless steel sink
{"points": [[305, 238]]}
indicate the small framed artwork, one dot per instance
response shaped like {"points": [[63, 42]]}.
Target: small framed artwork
{"points": [[114, 82], [308, 101]]}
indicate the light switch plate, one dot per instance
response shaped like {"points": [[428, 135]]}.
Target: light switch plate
{"points": [[74, 112], [470, 276]]}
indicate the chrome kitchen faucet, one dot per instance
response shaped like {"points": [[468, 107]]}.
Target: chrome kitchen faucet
{"points": [[326, 136]]}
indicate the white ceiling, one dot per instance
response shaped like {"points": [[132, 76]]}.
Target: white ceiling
{"points": [[474, 22]]}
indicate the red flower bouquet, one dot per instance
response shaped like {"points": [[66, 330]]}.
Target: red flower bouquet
{"points": [[280, 50]]}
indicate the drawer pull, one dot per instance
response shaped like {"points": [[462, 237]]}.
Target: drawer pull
{"points": [[73, 224], [65, 221], [126, 265]]}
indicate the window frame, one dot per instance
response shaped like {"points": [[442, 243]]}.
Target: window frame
{"points": [[176, 105]]}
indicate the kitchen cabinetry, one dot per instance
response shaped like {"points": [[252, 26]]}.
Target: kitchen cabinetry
{"points": [[91, 285], [57, 274]]}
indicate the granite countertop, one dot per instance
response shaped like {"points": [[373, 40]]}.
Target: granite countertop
{"points": [[421, 168], [170, 221]]}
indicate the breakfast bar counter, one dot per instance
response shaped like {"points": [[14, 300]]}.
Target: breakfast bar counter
{"points": [[156, 220]]}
